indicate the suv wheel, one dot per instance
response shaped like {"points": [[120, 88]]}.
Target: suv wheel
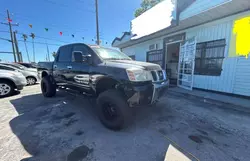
{"points": [[113, 110], [31, 80], [47, 87], [6, 89]]}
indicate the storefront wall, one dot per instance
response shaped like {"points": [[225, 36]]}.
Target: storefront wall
{"points": [[235, 75]]}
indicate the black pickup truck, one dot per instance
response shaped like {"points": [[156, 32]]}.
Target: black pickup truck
{"points": [[118, 82]]}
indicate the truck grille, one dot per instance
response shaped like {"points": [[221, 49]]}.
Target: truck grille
{"points": [[158, 75]]}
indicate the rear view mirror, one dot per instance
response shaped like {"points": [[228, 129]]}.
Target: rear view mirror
{"points": [[77, 56]]}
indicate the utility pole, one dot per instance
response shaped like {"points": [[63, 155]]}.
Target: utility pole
{"points": [[97, 23], [11, 33], [19, 57], [48, 51]]}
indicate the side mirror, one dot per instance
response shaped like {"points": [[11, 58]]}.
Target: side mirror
{"points": [[77, 56], [87, 58]]}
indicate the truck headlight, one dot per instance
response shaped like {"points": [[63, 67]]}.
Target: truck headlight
{"points": [[139, 75]]}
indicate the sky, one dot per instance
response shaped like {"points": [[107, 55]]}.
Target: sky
{"points": [[75, 17]]}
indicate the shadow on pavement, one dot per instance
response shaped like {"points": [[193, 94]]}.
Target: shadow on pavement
{"points": [[55, 128], [46, 126]]}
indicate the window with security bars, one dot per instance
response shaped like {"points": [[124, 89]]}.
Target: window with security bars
{"points": [[209, 57], [155, 57]]}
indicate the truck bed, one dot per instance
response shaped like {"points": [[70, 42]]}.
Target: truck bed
{"points": [[44, 66]]}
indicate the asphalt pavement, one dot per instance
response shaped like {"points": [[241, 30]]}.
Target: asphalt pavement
{"points": [[34, 128]]}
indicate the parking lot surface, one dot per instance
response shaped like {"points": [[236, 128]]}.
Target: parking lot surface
{"points": [[66, 128]]}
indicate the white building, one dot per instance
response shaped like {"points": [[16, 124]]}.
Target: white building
{"points": [[213, 25]]}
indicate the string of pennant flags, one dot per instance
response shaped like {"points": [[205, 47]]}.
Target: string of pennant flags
{"points": [[47, 30], [60, 33]]}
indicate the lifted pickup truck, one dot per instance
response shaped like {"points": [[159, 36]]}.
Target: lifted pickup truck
{"points": [[118, 82]]}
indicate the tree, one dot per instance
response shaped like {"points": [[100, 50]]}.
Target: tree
{"points": [[33, 36], [139, 11], [54, 54], [146, 5]]}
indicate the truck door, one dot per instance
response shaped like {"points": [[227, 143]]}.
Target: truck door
{"points": [[61, 64], [79, 70]]}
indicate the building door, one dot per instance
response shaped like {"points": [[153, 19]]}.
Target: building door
{"points": [[186, 64]]}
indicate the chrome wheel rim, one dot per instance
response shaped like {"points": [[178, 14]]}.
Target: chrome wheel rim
{"points": [[31, 81], [4, 89]]}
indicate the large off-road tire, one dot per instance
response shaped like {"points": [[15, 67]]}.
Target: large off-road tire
{"points": [[6, 88], [113, 110], [47, 87]]}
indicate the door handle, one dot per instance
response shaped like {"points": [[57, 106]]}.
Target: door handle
{"points": [[69, 67], [55, 66]]}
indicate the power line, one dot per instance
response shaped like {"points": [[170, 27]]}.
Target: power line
{"points": [[67, 6], [5, 31], [5, 39], [6, 52], [45, 38], [84, 1], [36, 37], [41, 43], [51, 39], [67, 26], [103, 41]]}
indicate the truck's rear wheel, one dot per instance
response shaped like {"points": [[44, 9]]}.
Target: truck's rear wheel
{"points": [[113, 110], [47, 87]]}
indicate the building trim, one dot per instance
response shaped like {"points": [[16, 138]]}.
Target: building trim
{"points": [[206, 9], [178, 31]]}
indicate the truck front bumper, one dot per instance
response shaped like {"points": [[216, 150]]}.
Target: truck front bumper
{"points": [[145, 94]]}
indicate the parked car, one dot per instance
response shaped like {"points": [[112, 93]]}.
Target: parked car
{"points": [[11, 80], [29, 65], [30, 75], [117, 81], [20, 67]]}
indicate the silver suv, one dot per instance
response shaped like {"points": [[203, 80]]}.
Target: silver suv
{"points": [[29, 73], [9, 81]]}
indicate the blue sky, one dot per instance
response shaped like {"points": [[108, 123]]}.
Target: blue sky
{"points": [[69, 17]]}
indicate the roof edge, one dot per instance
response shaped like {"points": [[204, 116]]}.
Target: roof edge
{"points": [[120, 38]]}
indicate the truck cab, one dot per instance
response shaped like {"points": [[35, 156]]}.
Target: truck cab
{"points": [[118, 82]]}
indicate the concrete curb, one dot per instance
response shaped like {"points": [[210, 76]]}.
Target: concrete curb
{"points": [[219, 103]]}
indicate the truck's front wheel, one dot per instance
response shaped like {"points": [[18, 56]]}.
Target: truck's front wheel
{"points": [[113, 110], [47, 87]]}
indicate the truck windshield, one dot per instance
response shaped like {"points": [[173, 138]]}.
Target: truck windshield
{"points": [[111, 54]]}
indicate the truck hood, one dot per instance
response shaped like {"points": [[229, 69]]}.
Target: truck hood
{"points": [[132, 64]]}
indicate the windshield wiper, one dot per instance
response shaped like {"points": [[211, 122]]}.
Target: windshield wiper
{"points": [[125, 59], [117, 59], [112, 59]]}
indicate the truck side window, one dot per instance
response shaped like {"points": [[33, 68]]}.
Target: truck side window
{"points": [[80, 48], [65, 54]]}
